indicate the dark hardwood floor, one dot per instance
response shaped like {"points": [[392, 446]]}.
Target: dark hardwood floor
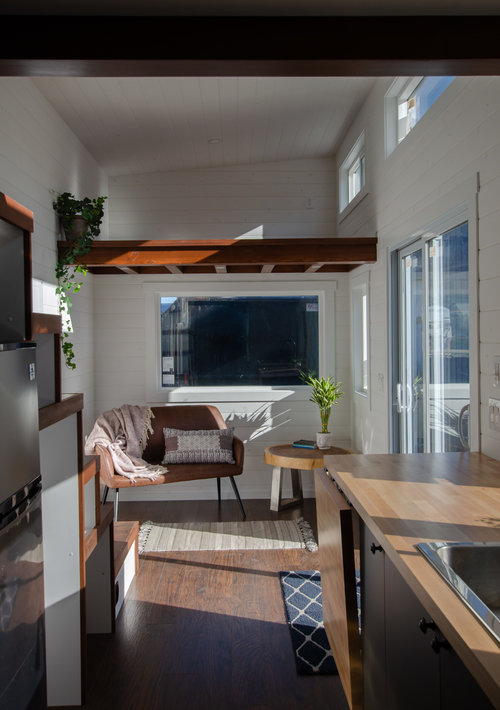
{"points": [[206, 630]]}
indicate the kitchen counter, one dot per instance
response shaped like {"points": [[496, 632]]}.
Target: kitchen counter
{"points": [[407, 499]]}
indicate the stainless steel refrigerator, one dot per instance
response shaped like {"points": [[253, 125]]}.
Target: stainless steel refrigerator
{"points": [[22, 638]]}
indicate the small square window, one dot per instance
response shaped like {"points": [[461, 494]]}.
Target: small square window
{"points": [[352, 173]]}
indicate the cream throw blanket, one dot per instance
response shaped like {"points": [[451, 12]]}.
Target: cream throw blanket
{"points": [[124, 433]]}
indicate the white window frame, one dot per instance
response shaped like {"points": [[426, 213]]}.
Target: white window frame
{"points": [[399, 92], [353, 160], [153, 292], [360, 334]]}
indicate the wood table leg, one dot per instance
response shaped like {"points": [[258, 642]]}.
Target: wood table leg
{"points": [[297, 495], [277, 502], [276, 487]]}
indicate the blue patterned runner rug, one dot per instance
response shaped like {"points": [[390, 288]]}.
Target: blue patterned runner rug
{"points": [[304, 611]]}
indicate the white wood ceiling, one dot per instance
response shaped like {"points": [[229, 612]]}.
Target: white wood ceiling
{"points": [[136, 125]]}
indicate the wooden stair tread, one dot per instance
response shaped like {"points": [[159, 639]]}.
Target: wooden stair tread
{"points": [[125, 533]]}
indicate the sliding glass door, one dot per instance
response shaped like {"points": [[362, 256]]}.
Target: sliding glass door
{"points": [[410, 380], [432, 391]]}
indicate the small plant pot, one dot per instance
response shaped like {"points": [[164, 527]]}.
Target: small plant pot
{"points": [[79, 227], [323, 440]]}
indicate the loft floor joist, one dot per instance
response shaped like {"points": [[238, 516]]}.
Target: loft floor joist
{"points": [[218, 256]]}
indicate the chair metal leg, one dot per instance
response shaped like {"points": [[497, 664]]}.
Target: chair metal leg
{"points": [[235, 489], [105, 494], [218, 490], [116, 505]]}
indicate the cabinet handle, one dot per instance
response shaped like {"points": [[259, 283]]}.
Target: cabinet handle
{"points": [[423, 625], [374, 548], [437, 645]]}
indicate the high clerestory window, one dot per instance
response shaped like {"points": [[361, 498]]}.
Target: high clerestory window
{"points": [[407, 100]]}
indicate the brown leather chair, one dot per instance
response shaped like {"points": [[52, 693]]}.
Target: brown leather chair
{"points": [[179, 416]]}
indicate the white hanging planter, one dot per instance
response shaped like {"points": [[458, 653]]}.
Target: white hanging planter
{"points": [[323, 440]]}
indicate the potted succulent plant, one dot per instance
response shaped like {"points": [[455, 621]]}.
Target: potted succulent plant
{"points": [[325, 393], [81, 222]]}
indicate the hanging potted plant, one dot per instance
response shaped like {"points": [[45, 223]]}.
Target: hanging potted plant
{"points": [[325, 393], [79, 217], [81, 222]]}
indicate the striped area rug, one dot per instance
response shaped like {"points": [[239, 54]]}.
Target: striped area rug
{"points": [[244, 535]]}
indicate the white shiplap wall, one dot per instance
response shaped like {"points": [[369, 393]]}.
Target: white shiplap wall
{"points": [[293, 199], [40, 156], [285, 199], [433, 171]]}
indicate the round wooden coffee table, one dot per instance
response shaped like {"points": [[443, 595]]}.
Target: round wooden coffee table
{"points": [[286, 456]]}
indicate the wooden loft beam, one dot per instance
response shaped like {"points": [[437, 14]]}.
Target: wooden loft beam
{"points": [[313, 268], [57, 45], [255, 254]]}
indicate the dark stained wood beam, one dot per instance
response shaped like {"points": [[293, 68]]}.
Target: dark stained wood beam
{"points": [[234, 252], [16, 214], [279, 46]]}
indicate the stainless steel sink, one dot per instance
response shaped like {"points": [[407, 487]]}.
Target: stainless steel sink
{"points": [[473, 571]]}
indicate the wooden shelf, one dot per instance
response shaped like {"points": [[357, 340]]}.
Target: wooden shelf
{"points": [[216, 256], [46, 331], [42, 323], [53, 413]]}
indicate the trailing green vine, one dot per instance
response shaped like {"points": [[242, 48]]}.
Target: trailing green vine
{"points": [[68, 274]]}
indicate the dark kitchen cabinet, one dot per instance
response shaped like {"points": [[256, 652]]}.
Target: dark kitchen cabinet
{"points": [[407, 663]]}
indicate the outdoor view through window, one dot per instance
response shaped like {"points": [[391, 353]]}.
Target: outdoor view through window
{"points": [[238, 341]]}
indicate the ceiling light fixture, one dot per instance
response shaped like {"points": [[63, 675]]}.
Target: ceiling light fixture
{"points": [[214, 141]]}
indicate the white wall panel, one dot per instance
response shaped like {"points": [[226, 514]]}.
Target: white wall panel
{"points": [[431, 172], [40, 157], [291, 199]]}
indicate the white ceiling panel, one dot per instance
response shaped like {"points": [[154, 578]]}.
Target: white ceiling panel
{"points": [[136, 125]]}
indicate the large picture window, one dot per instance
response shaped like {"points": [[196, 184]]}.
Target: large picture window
{"points": [[238, 340]]}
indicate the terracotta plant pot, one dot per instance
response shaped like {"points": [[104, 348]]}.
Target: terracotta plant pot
{"points": [[79, 227]]}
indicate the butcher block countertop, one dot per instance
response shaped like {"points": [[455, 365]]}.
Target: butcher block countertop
{"points": [[405, 499]]}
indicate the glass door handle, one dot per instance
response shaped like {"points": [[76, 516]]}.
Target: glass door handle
{"points": [[399, 398]]}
